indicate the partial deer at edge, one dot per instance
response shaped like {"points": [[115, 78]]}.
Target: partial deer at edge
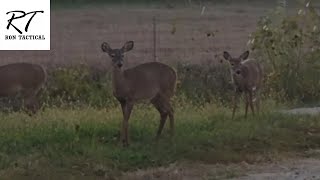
{"points": [[247, 76], [152, 81], [24, 79]]}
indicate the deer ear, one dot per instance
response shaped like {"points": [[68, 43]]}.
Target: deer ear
{"points": [[226, 56], [127, 46], [105, 47], [244, 55]]}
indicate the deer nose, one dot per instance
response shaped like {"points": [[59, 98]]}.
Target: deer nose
{"points": [[119, 65], [238, 72]]}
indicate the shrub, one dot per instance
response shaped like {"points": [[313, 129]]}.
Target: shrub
{"points": [[79, 85], [289, 46], [204, 83], [82, 85]]}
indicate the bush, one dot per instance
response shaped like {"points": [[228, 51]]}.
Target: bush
{"points": [[82, 85], [289, 46], [204, 83], [79, 85]]}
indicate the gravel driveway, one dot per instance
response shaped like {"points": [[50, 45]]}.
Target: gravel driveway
{"points": [[292, 169]]}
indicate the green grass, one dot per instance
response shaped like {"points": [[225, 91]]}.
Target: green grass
{"points": [[50, 142]]}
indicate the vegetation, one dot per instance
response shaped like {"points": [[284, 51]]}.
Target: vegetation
{"points": [[289, 46], [82, 86], [78, 130], [79, 85], [86, 139]]}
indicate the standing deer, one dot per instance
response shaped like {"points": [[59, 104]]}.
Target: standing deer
{"points": [[24, 79], [151, 81], [247, 77]]}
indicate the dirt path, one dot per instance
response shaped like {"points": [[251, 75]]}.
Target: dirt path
{"points": [[299, 111], [299, 169], [302, 169]]}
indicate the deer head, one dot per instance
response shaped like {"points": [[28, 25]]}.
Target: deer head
{"points": [[117, 55], [236, 63]]}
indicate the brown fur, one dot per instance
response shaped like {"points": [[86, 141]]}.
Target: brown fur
{"points": [[151, 81], [247, 78], [25, 79]]}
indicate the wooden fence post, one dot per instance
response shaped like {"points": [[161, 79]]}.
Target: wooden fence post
{"points": [[154, 38]]}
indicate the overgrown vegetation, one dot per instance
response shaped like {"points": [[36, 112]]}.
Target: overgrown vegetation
{"points": [[204, 83], [82, 86], [78, 85], [289, 46]]}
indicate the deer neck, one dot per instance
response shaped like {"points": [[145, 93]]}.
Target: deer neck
{"points": [[119, 82]]}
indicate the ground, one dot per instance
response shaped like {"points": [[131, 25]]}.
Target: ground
{"points": [[289, 169]]}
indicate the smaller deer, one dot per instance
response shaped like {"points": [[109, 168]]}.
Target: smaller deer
{"points": [[151, 81], [247, 77], [24, 79]]}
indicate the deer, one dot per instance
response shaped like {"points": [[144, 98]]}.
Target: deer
{"points": [[247, 78], [23, 79], [152, 81]]}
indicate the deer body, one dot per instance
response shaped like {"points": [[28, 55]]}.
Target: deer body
{"points": [[138, 84], [250, 78], [22, 78], [247, 77], [151, 81]]}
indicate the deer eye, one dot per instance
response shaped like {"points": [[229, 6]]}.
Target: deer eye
{"points": [[232, 64], [112, 55]]}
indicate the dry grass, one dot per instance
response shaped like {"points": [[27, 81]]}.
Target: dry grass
{"points": [[76, 34]]}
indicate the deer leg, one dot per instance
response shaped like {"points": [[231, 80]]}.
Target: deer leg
{"points": [[30, 102], [258, 105], [235, 102], [251, 102], [126, 108], [257, 102], [159, 105], [170, 112], [247, 104], [171, 117], [163, 118], [123, 109]]}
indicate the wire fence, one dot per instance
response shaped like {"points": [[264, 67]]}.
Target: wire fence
{"points": [[194, 34]]}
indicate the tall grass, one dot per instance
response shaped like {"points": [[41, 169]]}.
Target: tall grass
{"points": [[85, 86]]}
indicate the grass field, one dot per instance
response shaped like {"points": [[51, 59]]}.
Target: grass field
{"points": [[84, 142]]}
